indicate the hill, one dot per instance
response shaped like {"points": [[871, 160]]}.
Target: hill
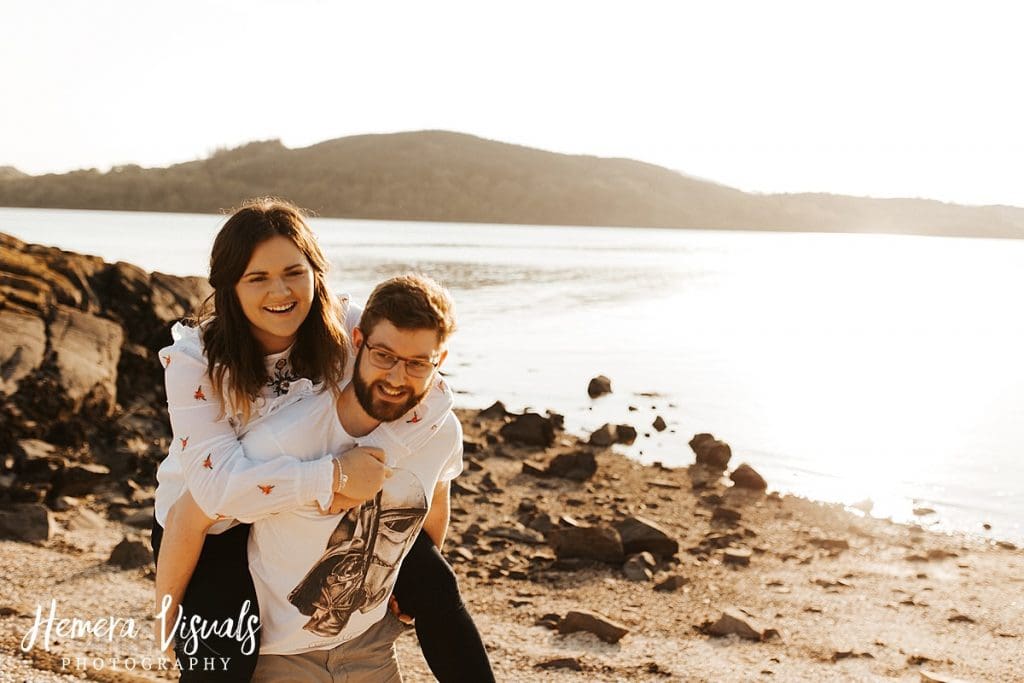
{"points": [[444, 176]]}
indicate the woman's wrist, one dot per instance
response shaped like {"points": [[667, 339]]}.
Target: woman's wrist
{"points": [[340, 478]]}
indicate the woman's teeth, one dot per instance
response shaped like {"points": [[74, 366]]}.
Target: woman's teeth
{"points": [[284, 308]]}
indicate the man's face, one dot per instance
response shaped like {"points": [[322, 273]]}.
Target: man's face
{"points": [[388, 394]]}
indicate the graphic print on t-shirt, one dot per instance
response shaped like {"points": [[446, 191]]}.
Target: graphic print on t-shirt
{"points": [[358, 567]]}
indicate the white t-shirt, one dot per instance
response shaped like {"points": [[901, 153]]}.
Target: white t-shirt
{"points": [[322, 579]]}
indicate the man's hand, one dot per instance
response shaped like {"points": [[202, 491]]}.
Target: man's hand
{"points": [[365, 471], [340, 503], [397, 611]]}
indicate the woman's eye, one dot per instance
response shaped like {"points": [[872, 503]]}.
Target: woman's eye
{"points": [[296, 273]]}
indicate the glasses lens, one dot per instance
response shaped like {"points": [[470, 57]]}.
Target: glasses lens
{"points": [[382, 359], [418, 368]]}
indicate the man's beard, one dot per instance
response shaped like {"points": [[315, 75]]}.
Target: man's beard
{"points": [[379, 409]]}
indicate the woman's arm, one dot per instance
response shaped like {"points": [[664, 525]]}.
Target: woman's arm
{"points": [[182, 542], [436, 523], [223, 481]]}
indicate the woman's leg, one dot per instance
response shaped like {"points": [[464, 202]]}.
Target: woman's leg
{"points": [[220, 587], [428, 591]]}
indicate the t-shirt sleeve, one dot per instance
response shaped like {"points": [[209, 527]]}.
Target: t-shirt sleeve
{"points": [[453, 466], [224, 482]]}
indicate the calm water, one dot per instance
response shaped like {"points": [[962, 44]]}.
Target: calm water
{"points": [[843, 367]]}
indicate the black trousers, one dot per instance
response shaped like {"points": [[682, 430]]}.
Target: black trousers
{"points": [[426, 589]]}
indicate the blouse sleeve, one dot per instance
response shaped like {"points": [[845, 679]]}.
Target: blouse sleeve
{"points": [[223, 481]]}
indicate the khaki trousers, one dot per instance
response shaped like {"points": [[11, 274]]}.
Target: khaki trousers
{"points": [[368, 658]]}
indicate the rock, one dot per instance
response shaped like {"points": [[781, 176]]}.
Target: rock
{"points": [[516, 533], [671, 583], [130, 554], [140, 519], [659, 424], [726, 515], [542, 523], [86, 519], [664, 484], [79, 480], [922, 511], [1006, 545], [470, 446], [571, 663], [746, 477], [578, 466], [594, 543], [640, 534], [529, 429], [592, 622], [557, 420], [833, 545], [703, 476], [463, 488], [934, 677], [737, 556], [22, 345], [87, 349], [599, 386], [534, 469], [740, 622], [625, 434], [710, 451], [496, 411], [603, 436], [31, 522], [639, 567]]}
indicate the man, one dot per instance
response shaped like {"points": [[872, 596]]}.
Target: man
{"points": [[323, 581]]}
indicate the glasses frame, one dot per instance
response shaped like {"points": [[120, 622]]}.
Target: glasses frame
{"points": [[400, 359]]}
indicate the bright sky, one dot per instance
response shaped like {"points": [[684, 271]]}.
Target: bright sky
{"points": [[884, 99]]}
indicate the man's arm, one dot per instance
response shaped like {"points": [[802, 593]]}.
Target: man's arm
{"points": [[436, 523]]}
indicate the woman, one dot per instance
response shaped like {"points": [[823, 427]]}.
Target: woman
{"points": [[273, 335]]}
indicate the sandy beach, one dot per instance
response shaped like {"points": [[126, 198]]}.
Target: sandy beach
{"points": [[830, 595]]}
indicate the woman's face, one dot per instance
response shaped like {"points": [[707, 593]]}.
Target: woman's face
{"points": [[276, 293]]}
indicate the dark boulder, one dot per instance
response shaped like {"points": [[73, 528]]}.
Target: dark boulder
{"points": [[578, 466], [30, 522], [599, 386], [529, 429], [593, 543], [710, 451], [601, 626], [640, 534], [746, 477]]}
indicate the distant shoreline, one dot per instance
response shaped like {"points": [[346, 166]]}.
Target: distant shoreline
{"points": [[441, 176], [224, 214]]}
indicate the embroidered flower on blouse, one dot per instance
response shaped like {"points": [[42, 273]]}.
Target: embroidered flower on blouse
{"points": [[266, 489], [415, 418], [200, 396], [208, 463], [282, 378], [167, 361], [184, 443]]}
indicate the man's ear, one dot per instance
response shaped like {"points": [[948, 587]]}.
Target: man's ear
{"points": [[357, 338], [444, 354]]}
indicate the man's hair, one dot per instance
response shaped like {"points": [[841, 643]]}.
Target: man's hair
{"points": [[234, 358], [410, 302]]}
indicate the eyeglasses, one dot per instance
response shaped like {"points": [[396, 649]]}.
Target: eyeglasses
{"points": [[385, 360]]}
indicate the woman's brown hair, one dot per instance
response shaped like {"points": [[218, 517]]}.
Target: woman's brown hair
{"points": [[234, 357]]}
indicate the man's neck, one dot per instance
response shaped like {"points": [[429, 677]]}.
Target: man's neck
{"points": [[354, 420]]}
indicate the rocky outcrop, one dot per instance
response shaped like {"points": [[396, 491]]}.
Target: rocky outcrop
{"points": [[81, 388]]}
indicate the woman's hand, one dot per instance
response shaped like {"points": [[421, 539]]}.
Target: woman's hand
{"points": [[365, 471]]}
